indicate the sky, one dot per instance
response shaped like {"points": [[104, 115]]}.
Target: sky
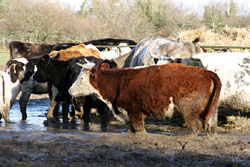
{"points": [[192, 5]]}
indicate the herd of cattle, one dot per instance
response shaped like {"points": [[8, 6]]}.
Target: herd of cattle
{"points": [[159, 77]]}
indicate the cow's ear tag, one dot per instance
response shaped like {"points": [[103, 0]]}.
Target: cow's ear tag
{"points": [[105, 66]]}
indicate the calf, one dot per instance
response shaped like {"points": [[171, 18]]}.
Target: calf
{"points": [[158, 91], [22, 70], [8, 93], [62, 74]]}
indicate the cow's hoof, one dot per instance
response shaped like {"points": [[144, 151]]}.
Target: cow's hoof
{"points": [[86, 127], [104, 129], [45, 123]]}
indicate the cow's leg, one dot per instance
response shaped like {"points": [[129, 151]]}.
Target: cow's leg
{"points": [[24, 98], [137, 122], [53, 104], [192, 121], [85, 116], [103, 110], [65, 111], [211, 121]]}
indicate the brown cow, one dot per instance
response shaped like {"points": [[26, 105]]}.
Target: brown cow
{"points": [[28, 50], [157, 91], [73, 52]]}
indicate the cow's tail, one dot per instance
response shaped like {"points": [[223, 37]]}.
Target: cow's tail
{"points": [[211, 110]]}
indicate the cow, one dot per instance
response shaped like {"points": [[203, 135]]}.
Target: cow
{"points": [[62, 74], [233, 70], [109, 42], [75, 51], [8, 92], [150, 51], [28, 50], [22, 70], [159, 91]]}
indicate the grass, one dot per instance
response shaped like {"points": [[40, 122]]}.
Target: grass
{"points": [[4, 57]]}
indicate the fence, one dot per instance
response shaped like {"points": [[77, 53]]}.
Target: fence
{"points": [[226, 48], [212, 48]]}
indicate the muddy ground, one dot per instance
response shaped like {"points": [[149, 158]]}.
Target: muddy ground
{"points": [[165, 144]]}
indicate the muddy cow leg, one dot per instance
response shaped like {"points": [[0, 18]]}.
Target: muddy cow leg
{"points": [[192, 121], [103, 110], [137, 121], [86, 108], [23, 103], [65, 111], [211, 120], [53, 104]]}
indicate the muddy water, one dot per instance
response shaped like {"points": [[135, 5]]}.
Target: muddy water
{"points": [[36, 111], [31, 143], [36, 118]]}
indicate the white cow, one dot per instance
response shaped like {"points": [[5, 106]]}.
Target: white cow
{"points": [[234, 72], [8, 93], [150, 51]]}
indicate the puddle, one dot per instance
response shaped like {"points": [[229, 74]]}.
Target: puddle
{"points": [[36, 111]]}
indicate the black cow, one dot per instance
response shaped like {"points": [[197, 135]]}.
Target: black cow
{"points": [[61, 74]]}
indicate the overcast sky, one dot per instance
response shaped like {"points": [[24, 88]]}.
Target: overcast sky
{"points": [[192, 5]]}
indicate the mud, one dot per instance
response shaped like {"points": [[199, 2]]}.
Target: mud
{"points": [[31, 143]]}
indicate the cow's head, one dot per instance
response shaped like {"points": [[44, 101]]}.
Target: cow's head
{"points": [[86, 82], [41, 75], [16, 69]]}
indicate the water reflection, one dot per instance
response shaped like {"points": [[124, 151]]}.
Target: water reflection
{"points": [[36, 111]]}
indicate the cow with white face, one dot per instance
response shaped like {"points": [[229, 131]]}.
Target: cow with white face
{"points": [[158, 91]]}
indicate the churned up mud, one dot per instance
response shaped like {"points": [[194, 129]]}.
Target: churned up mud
{"points": [[31, 143]]}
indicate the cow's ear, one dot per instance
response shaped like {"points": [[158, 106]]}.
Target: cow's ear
{"points": [[46, 58], [105, 66]]}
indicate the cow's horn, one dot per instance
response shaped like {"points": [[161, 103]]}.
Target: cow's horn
{"points": [[83, 66], [86, 60]]}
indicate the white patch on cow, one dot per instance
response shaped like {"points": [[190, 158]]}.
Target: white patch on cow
{"points": [[35, 69], [124, 49], [22, 60], [170, 112], [91, 46]]}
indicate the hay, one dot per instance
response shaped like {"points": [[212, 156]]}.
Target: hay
{"points": [[226, 37]]}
